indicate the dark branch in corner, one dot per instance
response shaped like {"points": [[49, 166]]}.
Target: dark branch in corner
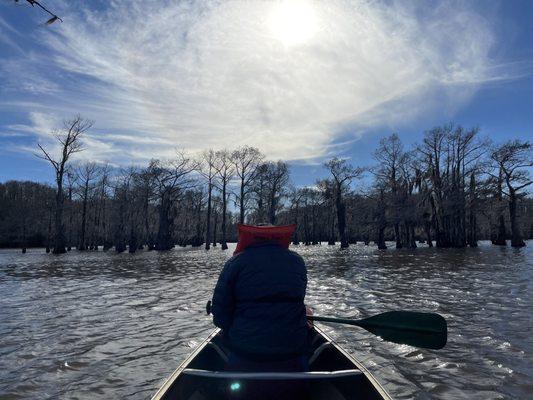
{"points": [[36, 3]]}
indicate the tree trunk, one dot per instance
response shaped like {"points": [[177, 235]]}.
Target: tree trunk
{"points": [[516, 235], [272, 210], [397, 235], [331, 239], [164, 234], [70, 213], [49, 237], [59, 237], [501, 236], [313, 229], [96, 226], [381, 238], [341, 218], [132, 243], [411, 235], [224, 244], [215, 226], [208, 218], [107, 243], [82, 245], [23, 241], [307, 239], [427, 228], [241, 202], [198, 236], [472, 220], [296, 239], [120, 241], [381, 222]]}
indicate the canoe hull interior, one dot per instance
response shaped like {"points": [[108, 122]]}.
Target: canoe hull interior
{"points": [[333, 375]]}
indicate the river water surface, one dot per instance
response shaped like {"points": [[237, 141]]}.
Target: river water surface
{"points": [[100, 325]]}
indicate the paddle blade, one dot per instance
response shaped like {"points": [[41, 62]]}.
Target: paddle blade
{"points": [[426, 330]]}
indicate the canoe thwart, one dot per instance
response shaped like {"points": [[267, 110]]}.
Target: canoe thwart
{"points": [[272, 375]]}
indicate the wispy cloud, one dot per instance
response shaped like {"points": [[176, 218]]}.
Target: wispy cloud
{"points": [[159, 75]]}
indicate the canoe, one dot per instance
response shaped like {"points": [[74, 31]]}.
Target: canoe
{"points": [[334, 374]]}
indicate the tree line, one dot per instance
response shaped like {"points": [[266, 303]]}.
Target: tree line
{"points": [[450, 190]]}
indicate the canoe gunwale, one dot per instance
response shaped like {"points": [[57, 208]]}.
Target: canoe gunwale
{"points": [[177, 372], [358, 364]]}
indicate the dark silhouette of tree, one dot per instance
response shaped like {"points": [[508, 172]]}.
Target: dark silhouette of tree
{"points": [[71, 181], [447, 188], [511, 159], [245, 160], [277, 180], [208, 171], [225, 172], [450, 155], [69, 139], [392, 160], [172, 179], [342, 174], [380, 218], [87, 173], [295, 201]]}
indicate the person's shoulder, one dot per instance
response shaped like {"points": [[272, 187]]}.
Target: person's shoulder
{"points": [[296, 256], [235, 259]]}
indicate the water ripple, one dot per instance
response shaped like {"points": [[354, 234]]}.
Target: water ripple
{"points": [[101, 325]]}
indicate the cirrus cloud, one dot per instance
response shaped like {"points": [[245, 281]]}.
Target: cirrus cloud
{"points": [[161, 74]]}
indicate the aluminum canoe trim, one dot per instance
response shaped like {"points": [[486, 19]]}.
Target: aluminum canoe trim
{"points": [[357, 363], [272, 375], [175, 375]]}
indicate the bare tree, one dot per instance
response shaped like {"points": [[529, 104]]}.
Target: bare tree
{"points": [[295, 200], [451, 155], [225, 172], [71, 180], [87, 173], [343, 174], [121, 198], [326, 197], [245, 159], [145, 192], [171, 178], [208, 171], [69, 139], [103, 197], [390, 157], [259, 192], [311, 201], [277, 180], [512, 158], [217, 201]]}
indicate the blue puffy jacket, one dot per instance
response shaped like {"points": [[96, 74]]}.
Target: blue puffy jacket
{"points": [[259, 303]]}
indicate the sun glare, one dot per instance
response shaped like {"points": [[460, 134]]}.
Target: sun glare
{"points": [[293, 22]]}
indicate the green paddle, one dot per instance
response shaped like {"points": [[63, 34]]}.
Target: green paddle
{"points": [[426, 330]]}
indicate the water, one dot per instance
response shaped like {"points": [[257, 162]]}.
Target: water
{"points": [[101, 325]]}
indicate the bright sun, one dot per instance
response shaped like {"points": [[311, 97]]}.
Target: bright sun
{"points": [[293, 22]]}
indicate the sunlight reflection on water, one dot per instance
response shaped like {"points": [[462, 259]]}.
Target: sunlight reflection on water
{"points": [[102, 325]]}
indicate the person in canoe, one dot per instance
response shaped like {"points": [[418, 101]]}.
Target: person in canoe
{"points": [[258, 302]]}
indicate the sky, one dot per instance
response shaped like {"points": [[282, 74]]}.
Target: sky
{"points": [[301, 80]]}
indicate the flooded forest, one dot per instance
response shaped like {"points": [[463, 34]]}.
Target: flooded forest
{"points": [[451, 189]]}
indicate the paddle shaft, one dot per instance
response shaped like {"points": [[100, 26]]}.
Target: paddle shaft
{"points": [[363, 323]]}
